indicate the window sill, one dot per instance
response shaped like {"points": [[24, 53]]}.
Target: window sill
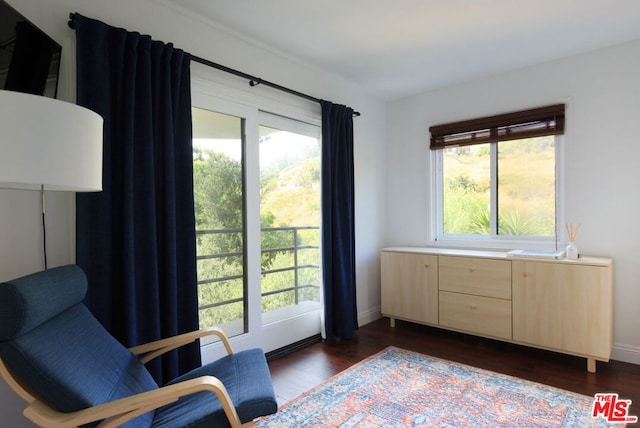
{"points": [[464, 242]]}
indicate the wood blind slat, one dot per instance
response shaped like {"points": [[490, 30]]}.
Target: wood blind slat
{"points": [[535, 122]]}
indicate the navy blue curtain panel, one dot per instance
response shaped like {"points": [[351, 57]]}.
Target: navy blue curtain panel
{"points": [[136, 238], [338, 222]]}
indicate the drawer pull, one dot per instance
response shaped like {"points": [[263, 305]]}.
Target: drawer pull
{"points": [[473, 306], [427, 265]]}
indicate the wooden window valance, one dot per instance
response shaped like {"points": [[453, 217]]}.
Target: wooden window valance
{"points": [[535, 122]]}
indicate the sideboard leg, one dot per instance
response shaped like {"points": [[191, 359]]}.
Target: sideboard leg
{"points": [[591, 365], [392, 322]]}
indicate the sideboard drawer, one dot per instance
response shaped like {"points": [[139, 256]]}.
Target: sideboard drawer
{"points": [[477, 314], [482, 277]]}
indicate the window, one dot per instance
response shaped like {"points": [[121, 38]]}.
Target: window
{"points": [[496, 177]]}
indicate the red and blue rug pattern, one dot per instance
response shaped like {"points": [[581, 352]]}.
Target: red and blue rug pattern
{"points": [[399, 388]]}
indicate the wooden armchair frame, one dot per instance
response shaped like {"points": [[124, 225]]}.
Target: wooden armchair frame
{"points": [[120, 411]]}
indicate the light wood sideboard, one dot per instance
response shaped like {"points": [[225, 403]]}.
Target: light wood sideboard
{"points": [[559, 305]]}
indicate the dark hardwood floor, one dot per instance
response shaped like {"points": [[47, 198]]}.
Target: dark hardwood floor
{"points": [[302, 370]]}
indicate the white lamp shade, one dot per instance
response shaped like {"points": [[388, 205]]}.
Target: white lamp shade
{"points": [[50, 143]]}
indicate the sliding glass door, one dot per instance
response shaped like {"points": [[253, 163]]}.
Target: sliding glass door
{"points": [[290, 217], [257, 203]]}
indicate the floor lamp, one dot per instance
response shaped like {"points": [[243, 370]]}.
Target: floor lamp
{"points": [[47, 144]]}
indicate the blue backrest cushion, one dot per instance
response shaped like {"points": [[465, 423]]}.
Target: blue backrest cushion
{"points": [[70, 359], [27, 302]]}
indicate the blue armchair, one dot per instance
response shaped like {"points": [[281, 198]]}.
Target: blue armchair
{"points": [[72, 372]]}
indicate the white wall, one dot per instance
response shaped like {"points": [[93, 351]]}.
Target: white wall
{"points": [[20, 235], [602, 92]]}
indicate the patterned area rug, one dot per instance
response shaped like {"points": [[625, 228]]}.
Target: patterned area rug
{"points": [[398, 388]]}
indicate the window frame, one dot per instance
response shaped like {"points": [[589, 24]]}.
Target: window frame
{"points": [[437, 237]]}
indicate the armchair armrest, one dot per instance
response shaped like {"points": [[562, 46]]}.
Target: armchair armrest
{"points": [[118, 412], [151, 350]]}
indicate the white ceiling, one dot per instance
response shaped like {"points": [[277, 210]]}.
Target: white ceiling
{"points": [[402, 47]]}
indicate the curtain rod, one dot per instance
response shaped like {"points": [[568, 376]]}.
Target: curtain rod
{"points": [[253, 80]]}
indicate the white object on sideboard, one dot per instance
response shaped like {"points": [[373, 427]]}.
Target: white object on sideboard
{"points": [[559, 305]]}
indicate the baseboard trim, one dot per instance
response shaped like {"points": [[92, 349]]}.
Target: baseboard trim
{"points": [[293, 347], [369, 316], [626, 353]]}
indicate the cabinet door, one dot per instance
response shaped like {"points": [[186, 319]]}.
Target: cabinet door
{"points": [[410, 286], [561, 306]]}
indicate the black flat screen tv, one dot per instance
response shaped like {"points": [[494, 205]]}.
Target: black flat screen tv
{"points": [[29, 59]]}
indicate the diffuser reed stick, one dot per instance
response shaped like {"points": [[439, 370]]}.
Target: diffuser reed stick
{"points": [[572, 231]]}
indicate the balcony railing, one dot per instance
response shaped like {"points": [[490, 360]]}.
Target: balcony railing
{"points": [[294, 246]]}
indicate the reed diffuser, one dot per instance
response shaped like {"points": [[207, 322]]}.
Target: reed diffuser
{"points": [[572, 233]]}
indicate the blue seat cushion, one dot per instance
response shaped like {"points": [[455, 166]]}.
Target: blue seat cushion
{"points": [[29, 301], [245, 375], [74, 363]]}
